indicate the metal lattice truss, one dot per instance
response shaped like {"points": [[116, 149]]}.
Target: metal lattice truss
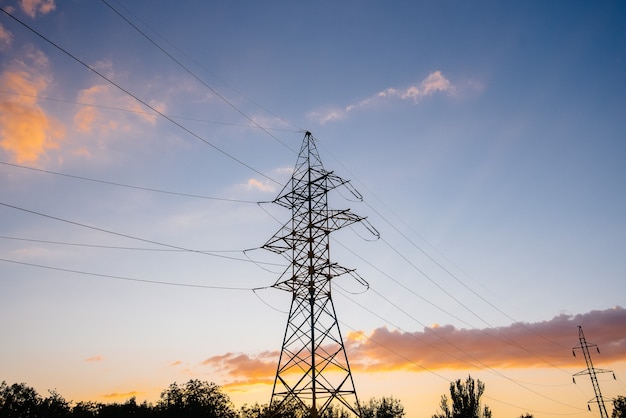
{"points": [[592, 372], [313, 370]]}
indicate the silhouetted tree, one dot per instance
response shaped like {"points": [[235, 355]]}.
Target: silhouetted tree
{"points": [[195, 399], [130, 408], [19, 401], [253, 411], [335, 411], [465, 397], [385, 407], [619, 407], [86, 409], [55, 406], [526, 415]]}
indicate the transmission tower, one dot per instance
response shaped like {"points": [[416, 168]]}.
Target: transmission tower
{"points": [[591, 371], [313, 372]]}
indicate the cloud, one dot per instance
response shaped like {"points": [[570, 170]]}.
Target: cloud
{"points": [[521, 345], [435, 82], [94, 359], [244, 369], [26, 131], [92, 119], [121, 395], [176, 363], [263, 186], [6, 38], [34, 7]]}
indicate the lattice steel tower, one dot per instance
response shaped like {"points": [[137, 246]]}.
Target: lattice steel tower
{"points": [[313, 372], [591, 371]]}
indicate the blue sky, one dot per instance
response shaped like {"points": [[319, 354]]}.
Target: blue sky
{"points": [[487, 139]]}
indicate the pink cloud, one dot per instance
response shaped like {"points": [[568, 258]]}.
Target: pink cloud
{"points": [[6, 38], [521, 345], [94, 359], [239, 364], [34, 7]]}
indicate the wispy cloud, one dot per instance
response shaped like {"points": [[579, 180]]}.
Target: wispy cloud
{"points": [[34, 7], [521, 345], [117, 395], [94, 359], [6, 38], [93, 119], [263, 186], [435, 82], [112, 112], [26, 131]]}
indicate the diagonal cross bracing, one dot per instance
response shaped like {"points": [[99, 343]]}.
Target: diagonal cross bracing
{"points": [[313, 370]]}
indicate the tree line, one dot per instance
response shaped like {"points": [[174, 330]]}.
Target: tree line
{"points": [[196, 398]]}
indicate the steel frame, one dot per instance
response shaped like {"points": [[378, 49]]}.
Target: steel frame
{"points": [[313, 369]]}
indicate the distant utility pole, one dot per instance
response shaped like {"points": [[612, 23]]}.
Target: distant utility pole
{"points": [[591, 371], [313, 372]]}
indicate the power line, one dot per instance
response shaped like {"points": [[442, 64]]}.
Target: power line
{"points": [[109, 276], [299, 129], [82, 225], [90, 68], [480, 362], [142, 112], [424, 368], [126, 185], [214, 253], [224, 99], [447, 271]]}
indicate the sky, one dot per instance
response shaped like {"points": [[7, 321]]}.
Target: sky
{"points": [[141, 145]]}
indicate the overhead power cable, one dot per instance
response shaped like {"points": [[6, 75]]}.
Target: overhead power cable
{"points": [[119, 234], [456, 278], [424, 368], [126, 185], [215, 253], [224, 99], [143, 102], [480, 362], [130, 279], [408, 289], [140, 112], [447, 271], [299, 129]]}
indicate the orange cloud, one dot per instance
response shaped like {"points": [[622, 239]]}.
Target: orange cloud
{"points": [[245, 369], [26, 131], [106, 115], [94, 359], [34, 7], [521, 345], [542, 344], [121, 395]]}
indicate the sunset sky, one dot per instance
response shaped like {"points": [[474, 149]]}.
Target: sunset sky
{"points": [[141, 141]]}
